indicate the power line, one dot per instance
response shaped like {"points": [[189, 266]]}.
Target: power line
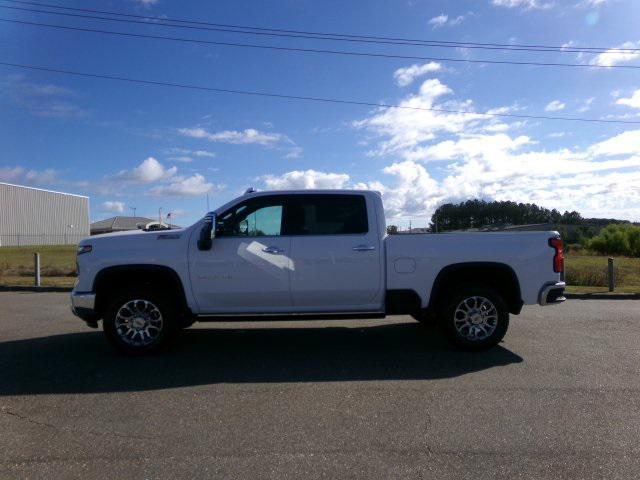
{"points": [[320, 51], [326, 34], [248, 31], [308, 98]]}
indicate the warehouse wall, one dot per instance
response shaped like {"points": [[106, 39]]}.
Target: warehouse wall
{"points": [[30, 216]]}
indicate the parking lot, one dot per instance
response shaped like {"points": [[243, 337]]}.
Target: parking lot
{"points": [[363, 399]]}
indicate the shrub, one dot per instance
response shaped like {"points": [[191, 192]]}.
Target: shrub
{"points": [[620, 239]]}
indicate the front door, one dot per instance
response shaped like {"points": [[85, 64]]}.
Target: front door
{"points": [[248, 268]]}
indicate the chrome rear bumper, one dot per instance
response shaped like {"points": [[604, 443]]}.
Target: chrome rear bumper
{"points": [[552, 294]]}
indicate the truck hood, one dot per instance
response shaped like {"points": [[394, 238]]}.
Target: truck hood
{"points": [[132, 236]]}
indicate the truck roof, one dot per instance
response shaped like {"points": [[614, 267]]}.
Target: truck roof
{"points": [[334, 191]]}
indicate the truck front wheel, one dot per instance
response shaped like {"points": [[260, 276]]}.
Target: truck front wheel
{"points": [[139, 322], [474, 318]]}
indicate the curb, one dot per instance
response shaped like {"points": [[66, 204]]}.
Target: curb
{"points": [[34, 289], [602, 296]]}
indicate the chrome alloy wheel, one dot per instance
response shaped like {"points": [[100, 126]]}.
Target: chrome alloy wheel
{"points": [[138, 322], [475, 318]]}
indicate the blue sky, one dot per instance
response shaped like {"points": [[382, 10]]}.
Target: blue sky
{"points": [[128, 145]]}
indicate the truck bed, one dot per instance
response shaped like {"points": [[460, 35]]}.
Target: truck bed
{"points": [[416, 259]]}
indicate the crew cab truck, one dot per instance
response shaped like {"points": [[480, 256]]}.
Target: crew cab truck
{"points": [[306, 255]]}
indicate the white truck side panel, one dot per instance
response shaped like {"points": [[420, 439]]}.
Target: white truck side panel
{"points": [[414, 261], [163, 248]]}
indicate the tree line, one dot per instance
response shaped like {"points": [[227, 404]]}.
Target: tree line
{"points": [[483, 214], [574, 228]]}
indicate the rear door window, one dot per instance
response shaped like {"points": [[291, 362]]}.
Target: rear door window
{"points": [[326, 215]]}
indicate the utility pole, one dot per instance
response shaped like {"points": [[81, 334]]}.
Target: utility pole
{"points": [[160, 215], [134, 210], [208, 203]]}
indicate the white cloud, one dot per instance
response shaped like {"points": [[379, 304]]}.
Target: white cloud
{"points": [[457, 20], [404, 130], [20, 175], [247, 136], [591, 3], [164, 181], [406, 75], [439, 157], [563, 179], [614, 57], [626, 143], [305, 179], [476, 145], [203, 153], [442, 20], [586, 105], [295, 152], [184, 187], [439, 21], [555, 106], [186, 155], [413, 190], [526, 4], [112, 206], [150, 170], [633, 101]]}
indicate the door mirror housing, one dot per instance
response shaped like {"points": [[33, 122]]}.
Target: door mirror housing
{"points": [[207, 233]]}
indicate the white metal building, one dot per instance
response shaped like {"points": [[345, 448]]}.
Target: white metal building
{"points": [[32, 216]]}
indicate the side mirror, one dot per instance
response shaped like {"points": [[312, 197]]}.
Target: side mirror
{"points": [[207, 233]]}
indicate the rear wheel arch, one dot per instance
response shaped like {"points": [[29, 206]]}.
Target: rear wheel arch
{"points": [[498, 276]]}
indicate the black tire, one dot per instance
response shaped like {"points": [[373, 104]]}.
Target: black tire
{"points": [[159, 329], [474, 318]]}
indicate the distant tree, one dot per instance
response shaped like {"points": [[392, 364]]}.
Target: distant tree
{"points": [[392, 229], [571, 218]]}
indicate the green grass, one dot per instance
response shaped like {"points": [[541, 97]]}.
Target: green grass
{"points": [[57, 265], [585, 272], [588, 273]]}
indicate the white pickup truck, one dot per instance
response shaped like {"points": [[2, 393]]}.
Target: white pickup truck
{"points": [[306, 255]]}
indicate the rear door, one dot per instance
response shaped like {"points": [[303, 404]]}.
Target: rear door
{"points": [[336, 253]]}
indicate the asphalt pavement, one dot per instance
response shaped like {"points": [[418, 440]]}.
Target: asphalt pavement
{"points": [[559, 398]]}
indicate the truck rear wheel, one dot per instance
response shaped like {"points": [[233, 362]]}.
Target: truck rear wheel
{"points": [[139, 322], [474, 318]]}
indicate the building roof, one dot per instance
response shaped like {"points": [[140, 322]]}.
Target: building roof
{"points": [[42, 190], [120, 223]]}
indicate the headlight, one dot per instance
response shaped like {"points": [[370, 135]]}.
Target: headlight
{"points": [[84, 249]]}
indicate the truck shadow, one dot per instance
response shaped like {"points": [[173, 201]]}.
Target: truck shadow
{"points": [[84, 363]]}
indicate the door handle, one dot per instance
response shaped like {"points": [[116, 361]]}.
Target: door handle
{"points": [[273, 249], [363, 248]]}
